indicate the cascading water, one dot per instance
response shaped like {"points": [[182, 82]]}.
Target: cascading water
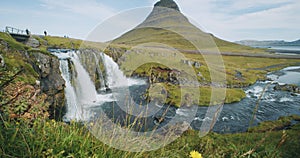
{"points": [[82, 94], [115, 77], [85, 88], [92, 62], [71, 100], [80, 91]]}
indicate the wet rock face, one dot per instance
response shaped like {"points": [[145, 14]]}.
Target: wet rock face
{"points": [[48, 68], [115, 53], [51, 82], [94, 65]]}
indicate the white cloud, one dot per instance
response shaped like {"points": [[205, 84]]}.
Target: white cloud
{"points": [[282, 17], [257, 3], [89, 8], [225, 18]]}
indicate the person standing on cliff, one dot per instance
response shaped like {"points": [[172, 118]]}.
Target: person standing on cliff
{"points": [[45, 33], [27, 31]]}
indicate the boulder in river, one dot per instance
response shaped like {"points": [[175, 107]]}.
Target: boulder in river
{"points": [[288, 87]]}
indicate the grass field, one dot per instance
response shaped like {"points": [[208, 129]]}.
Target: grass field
{"points": [[48, 138]]}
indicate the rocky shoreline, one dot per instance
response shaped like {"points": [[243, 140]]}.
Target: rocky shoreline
{"points": [[288, 87]]}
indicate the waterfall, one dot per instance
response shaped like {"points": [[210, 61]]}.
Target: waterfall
{"points": [[82, 94], [85, 88], [71, 99], [114, 76], [80, 91]]}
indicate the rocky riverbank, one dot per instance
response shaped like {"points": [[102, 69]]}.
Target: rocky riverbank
{"points": [[31, 84], [288, 87]]}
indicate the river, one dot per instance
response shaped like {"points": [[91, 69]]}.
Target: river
{"points": [[238, 117], [84, 103]]}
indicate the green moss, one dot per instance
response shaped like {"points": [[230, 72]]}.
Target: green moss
{"points": [[234, 95], [281, 123], [43, 51], [13, 44], [30, 75], [205, 95], [15, 60], [60, 42]]}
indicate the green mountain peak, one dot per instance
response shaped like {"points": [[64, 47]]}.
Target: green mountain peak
{"points": [[167, 25]]}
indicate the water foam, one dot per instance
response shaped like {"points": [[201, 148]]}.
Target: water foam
{"points": [[286, 99]]}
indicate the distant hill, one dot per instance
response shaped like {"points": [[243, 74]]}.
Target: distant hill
{"points": [[294, 43], [255, 43], [167, 25]]}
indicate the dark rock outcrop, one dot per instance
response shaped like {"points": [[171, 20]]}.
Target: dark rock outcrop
{"points": [[115, 52], [196, 64], [51, 82], [32, 42], [287, 87], [168, 4]]}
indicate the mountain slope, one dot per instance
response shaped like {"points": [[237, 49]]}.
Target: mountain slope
{"points": [[167, 25]]}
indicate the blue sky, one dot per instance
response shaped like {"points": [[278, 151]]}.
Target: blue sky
{"points": [[228, 19]]}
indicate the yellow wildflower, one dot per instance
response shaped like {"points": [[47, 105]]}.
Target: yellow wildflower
{"points": [[91, 124], [195, 154]]}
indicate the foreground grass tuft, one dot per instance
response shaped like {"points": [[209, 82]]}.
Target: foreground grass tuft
{"points": [[48, 138]]}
